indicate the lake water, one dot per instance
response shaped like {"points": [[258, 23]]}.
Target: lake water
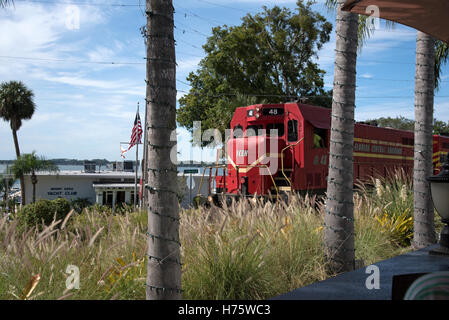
{"points": [[103, 168]]}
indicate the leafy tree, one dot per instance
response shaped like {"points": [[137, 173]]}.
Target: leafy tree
{"points": [[31, 163], [440, 127], [266, 58], [403, 123], [16, 104]]}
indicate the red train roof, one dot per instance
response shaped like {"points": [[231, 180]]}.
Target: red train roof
{"points": [[319, 117]]}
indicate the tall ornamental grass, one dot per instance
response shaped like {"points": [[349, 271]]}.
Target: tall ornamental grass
{"points": [[250, 249]]}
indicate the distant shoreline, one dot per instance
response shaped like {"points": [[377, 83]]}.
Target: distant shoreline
{"points": [[68, 162], [104, 162]]}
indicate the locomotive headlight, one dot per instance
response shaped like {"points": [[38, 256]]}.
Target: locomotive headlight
{"points": [[250, 113], [257, 116]]}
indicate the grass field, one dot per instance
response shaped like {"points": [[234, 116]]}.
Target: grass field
{"points": [[250, 250]]}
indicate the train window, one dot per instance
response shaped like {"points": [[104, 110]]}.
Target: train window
{"points": [[319, 138], [253, 130], [292, 127], [408, 141], [237, 132], [445, 145], [443, 158], [275, 126]]}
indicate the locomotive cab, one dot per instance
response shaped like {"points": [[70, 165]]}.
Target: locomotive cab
{"points": [[266, 150]]}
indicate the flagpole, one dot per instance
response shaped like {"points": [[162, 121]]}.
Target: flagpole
{"points": [[137, 166]]}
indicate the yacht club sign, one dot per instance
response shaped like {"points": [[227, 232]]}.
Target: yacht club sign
{"points": [[66, 191]]}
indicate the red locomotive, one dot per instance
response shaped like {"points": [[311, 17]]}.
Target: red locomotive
{"points": [[279, 148]]}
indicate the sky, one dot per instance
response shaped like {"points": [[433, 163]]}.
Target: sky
{"points": [[84, 61]]}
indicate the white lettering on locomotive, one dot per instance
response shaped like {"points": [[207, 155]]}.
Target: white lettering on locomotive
{"points": [[242, 153]]}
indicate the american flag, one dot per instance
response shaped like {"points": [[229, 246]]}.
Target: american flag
{"points": [[136, 135]]}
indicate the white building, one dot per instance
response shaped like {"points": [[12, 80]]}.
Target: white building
{"points": [[105, 188]]}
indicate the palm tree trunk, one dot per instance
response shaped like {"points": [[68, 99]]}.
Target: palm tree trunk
{"points": [[34, 182], [164, 267], [339, 216], [22, 179], [424, 229], [34, 192]]}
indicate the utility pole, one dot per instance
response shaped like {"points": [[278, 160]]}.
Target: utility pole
{"points": [[164, 265]]}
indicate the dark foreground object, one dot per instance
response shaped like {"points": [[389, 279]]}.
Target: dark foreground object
{"points": [[401, 270]]}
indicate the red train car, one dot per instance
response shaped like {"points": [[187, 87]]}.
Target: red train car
{"points": [[285, 147]]}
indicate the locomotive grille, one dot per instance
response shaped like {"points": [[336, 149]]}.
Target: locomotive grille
{"points": [[317, 179], [309, 179]]}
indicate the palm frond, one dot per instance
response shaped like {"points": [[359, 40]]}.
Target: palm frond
{"points": [[441, 56], [365, 30], [30, 162], [4, 3], [331, 4]]}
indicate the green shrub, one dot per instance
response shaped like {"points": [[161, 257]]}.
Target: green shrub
{"points": [[99, 208], [80, 204], [399, 228], [62, 207], [393, 193], [43, 210]]}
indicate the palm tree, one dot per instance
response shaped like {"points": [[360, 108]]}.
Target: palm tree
{"points": [[339, 217], [352, 31], [424, 229], [31, 163], [164, 268], [426, 82], [16, 104]]}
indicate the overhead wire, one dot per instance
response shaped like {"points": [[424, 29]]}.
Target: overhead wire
{"points": [[180, 61], [197, 32], [80, 3], [222, 6]]}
